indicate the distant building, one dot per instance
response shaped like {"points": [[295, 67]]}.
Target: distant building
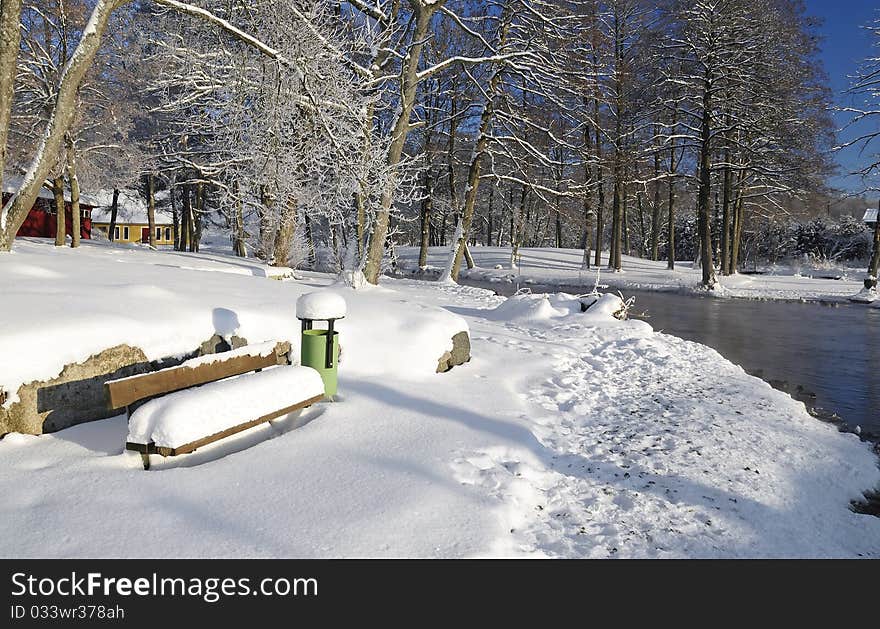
{"points": [[870, 217], [42, 217], [132, 224]]}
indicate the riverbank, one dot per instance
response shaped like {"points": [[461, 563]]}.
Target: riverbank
{"points": [[562, 268]]}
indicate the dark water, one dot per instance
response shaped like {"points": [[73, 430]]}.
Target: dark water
{"points": [[826, 356]]}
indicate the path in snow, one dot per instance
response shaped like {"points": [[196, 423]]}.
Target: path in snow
{"points": [[658, 447]]}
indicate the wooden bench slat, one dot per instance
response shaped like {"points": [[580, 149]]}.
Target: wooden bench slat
{"points": [[126, 391], [151, 448]]}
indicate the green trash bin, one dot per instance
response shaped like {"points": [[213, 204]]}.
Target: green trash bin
{"points": [[320, 348], [314, 353]]}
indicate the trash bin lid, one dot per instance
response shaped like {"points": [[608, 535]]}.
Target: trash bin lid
{"points": [[320, 306]]}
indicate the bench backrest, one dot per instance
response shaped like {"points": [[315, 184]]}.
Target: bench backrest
{"points": [[126, 391]]}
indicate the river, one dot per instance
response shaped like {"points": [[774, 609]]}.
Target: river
{"points": [[828, 356]]}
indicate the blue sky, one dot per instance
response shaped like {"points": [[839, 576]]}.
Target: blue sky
{"points": [[845, 45]]}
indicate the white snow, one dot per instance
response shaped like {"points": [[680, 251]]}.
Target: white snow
{"points": [[533, 308], [321, 305], [568, 434], [60, 306], [185, 416], [562, 268]]}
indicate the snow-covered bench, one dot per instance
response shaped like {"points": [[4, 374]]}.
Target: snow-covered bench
{"points": [[211, 397]]}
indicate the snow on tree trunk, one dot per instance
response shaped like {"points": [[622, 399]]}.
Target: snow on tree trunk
{"points": [[10, 37], [448, 275]]}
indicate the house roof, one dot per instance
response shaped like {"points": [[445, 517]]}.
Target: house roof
{"points": [[870, 215], [131, 209], [11, 183]]}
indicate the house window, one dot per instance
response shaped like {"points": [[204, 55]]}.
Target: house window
{"points": [[125, 233], [115, 233], [167, 233], [84, 213], [158, 233]]}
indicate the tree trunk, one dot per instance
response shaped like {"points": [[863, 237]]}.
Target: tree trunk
{"points": [[75, 216], [517, 234], [16, 209], [427, 208], [670, 227], [705, 184], [468, 258], [238, 236], [725, 216], [186, 218], [151, 208], [60, 210], [624, 223], [265, 247], [310, 243], [114, 210], [489, 217], [558, 230], [588, 211], [655, 210], [642, 235], [10, 39], [402, 126], [737, 233], [874, 265], [587, 237], [475, 168], [196, 222], [284, 234], [175, 214], [614, 258], [600, 190]]}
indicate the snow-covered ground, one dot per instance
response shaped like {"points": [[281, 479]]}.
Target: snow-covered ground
{"points": [[569, 434], [562, 267]]}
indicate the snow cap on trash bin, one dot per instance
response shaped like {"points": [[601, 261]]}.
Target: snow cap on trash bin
{"points": [[320, 306]]}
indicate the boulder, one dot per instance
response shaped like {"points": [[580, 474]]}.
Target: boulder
{"points": [[76, 395], [458, 355]]}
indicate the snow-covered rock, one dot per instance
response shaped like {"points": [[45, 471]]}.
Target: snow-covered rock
{"points": [[532, 308]]}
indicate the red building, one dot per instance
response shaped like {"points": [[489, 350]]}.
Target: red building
{"points": [[42, 218]]}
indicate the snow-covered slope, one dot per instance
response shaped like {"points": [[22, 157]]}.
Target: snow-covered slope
{"points": [[61, 305], [562, 267], [568, 434]]}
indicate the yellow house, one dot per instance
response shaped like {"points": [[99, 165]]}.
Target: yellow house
{"points": [[131, 220]]}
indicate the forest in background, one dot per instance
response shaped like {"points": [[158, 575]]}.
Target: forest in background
{"points": [[665, 129]]}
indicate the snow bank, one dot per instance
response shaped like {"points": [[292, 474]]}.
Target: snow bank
{"points": [[186, 416], [581, 441], [865, 296], [564, 268], [531, 308], [604, 307], [394, 336], [61, 306], [320, 305]]}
